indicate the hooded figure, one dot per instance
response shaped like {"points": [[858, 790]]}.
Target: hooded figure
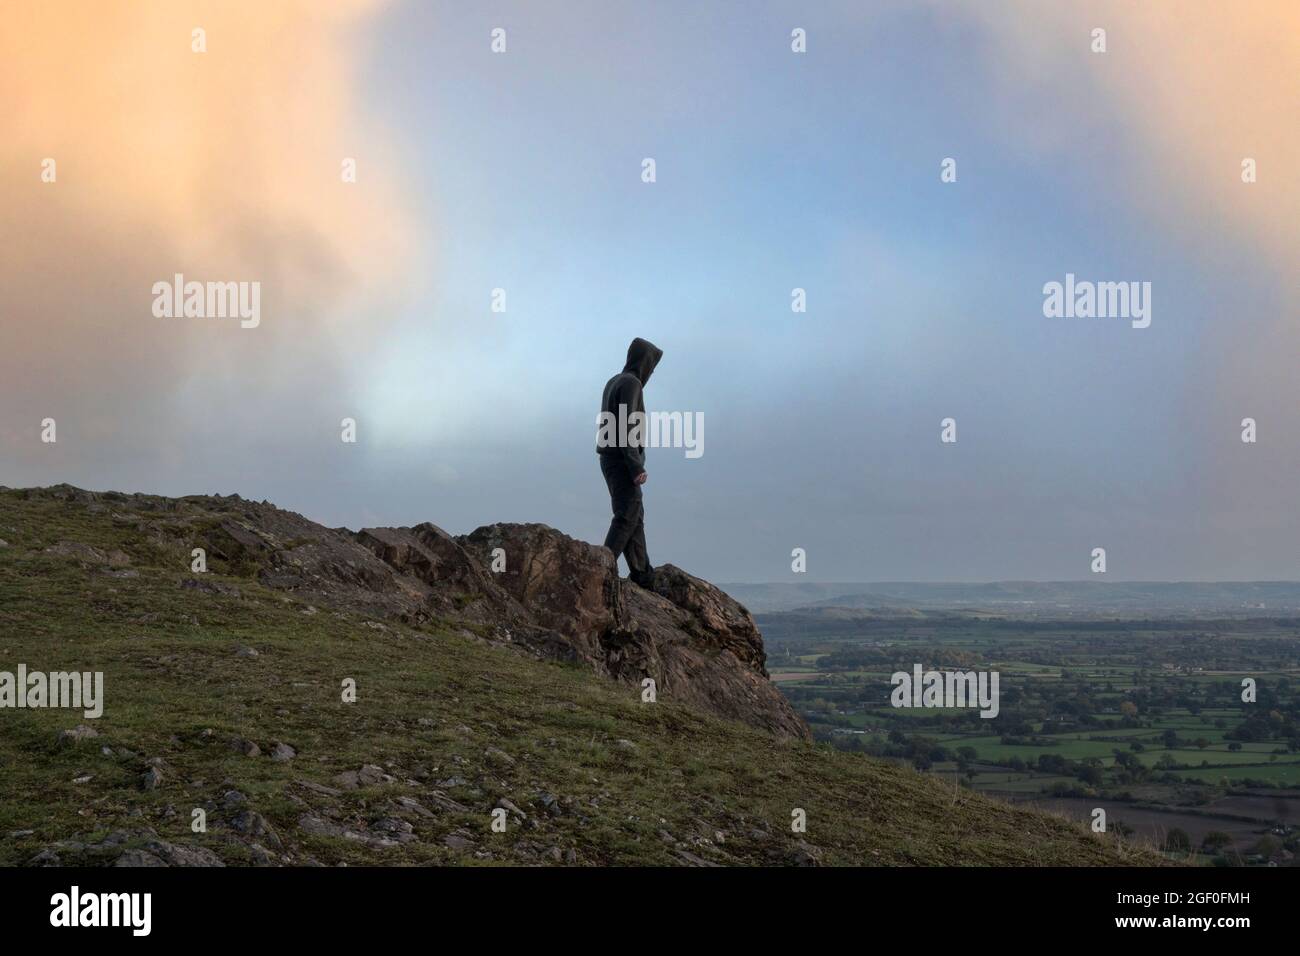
{"points": [[622, 461]]}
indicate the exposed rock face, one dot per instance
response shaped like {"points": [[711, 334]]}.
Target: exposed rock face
{"points": [[556, 597], [565, 585], [669, 635], [698, 644], [562, 598], [448, 579]]}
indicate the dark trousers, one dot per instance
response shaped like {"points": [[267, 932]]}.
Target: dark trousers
{"points": [[627, 531]]}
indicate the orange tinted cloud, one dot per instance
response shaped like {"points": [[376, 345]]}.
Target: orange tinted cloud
{"points": [[222, 165], [1197, 87]]}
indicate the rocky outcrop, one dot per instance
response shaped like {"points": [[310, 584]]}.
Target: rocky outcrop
{"points": [[697, 644], [530, 585], [451, 583], [566, 585], [526, 585], [669, 633]]}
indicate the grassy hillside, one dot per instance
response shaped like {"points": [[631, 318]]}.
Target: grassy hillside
{"points": [[199, 667]]}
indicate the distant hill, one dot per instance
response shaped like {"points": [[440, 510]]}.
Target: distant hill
{"points": [[475, 691], [1060, 599]]}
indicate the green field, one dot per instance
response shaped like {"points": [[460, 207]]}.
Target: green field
{"points": [[1148, 711]]}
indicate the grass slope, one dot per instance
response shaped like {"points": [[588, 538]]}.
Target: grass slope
{"points": [[599, 777]]}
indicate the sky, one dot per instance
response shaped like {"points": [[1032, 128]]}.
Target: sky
{"points": [[522, 170]]}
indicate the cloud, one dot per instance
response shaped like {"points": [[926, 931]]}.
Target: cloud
{"points": [[222, 165], [1196, 88], [1185, 93]]}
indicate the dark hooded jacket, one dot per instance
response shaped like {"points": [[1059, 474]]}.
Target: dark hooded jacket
{"points": [[625, 389]]}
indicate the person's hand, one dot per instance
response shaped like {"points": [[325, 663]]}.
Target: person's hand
{"points": [[640, 479]]}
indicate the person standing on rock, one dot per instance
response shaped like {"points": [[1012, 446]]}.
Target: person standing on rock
{"points": [[620, 443]]}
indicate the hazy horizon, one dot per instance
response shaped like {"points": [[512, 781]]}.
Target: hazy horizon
{"points": [[1043, 599]]}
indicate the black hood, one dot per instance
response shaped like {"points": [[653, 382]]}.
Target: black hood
{"points": [[642, 357]]}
